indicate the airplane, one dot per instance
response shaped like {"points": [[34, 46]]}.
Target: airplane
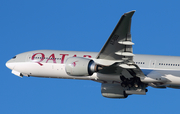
{"points": [[120, 72]]}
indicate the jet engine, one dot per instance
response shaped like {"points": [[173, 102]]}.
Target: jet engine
{"points": [[113, 91], [79, 66]]}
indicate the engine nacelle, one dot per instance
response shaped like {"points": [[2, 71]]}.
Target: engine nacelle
{"points": [[79, 66], [113, 91]]}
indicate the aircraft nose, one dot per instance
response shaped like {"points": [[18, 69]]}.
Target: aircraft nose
{"points": [[10, 65]]}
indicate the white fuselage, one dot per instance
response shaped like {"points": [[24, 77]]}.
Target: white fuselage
{"points": [[50, 64]]}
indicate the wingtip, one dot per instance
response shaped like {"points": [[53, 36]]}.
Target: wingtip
{"points": [[133, 10], [130, 12]]}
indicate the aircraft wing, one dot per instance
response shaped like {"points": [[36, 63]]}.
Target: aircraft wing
{"points": [[119, 48], [119, 44]]}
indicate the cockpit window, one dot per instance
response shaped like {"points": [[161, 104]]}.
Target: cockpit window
{"points": [[14, 57]]}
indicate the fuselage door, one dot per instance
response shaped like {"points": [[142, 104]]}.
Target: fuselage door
{"points": [[28, 57], [152, 63]]}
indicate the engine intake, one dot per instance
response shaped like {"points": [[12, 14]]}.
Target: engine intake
{"points": [[79, 66]]}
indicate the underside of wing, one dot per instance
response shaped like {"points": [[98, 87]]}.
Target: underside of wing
{"points": [[119, 44], [116, 58], [118, 49]]}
